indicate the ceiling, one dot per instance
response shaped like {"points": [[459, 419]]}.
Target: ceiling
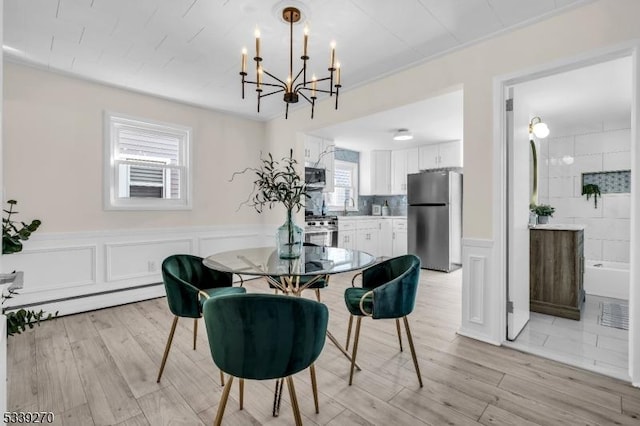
{"points": [[189, 50]]}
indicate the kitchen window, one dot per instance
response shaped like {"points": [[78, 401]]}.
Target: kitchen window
{"points": [[345, 180], [146, 164]]}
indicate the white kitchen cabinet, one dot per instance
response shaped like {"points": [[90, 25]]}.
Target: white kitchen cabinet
{"points": [[399, 237], [403, 162], [450, 154], [347, 234], [312, 148], [368, 236], [381, 172], [436, 156], [385, 242]]}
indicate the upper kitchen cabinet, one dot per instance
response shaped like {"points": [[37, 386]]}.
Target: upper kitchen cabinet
{"points": [[319, 152], [375, 172], [403, 162], [437, 156]]}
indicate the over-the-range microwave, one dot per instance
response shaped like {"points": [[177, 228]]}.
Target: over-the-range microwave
{"points": [[315, 177]]}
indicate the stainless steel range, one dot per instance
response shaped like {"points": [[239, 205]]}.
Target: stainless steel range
{"points": [[321, 230]]}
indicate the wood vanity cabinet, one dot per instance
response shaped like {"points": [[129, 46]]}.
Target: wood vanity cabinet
{"points": [[556, 272]]}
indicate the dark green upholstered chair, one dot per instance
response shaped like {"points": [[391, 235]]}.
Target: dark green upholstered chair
{"points": [[388, 291], [263, 337], [188, 283]]}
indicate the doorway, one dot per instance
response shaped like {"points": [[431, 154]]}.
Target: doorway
{"points": [[573, 154]]}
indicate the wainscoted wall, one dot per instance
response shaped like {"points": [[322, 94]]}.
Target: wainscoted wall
{"points": [[601, 147], [76, 272], [481, 298]]}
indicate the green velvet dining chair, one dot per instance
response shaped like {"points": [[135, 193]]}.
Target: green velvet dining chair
{"points": [[388, 291], [264, 337], [188, 283]]}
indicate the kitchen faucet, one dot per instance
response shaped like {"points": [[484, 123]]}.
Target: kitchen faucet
{"points": [[346, 201]]}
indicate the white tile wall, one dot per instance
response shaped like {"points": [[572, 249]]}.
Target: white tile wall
{"points": [[594, 147], [615, 251]]}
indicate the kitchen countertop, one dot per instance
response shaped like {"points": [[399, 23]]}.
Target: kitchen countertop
{"points": [[357, 217], [559, 227]]}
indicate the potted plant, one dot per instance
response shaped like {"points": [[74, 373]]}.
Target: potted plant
{"points": [[544, 212], [13, 233], [590, 189], [278, 182]]}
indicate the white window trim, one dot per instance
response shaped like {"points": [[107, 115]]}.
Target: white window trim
{"points": [[354, 207], [111, 201]]}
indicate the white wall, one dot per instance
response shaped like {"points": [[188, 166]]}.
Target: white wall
{"points": [[53, 146], [563, 159], [594, 26], [53, 143]]}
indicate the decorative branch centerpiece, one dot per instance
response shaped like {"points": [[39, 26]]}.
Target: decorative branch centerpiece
{"points": [[278, 182]]}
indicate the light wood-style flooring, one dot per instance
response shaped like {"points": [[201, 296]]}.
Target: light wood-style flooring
{"points": [[99, 368]]}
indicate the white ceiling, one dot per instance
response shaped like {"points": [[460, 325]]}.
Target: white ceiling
{"points": [[189, 50], [436, 119]]}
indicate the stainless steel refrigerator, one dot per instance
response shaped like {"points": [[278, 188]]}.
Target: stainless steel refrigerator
{"points": [[435, 219]]}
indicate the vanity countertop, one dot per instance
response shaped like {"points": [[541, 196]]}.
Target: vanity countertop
{"points": [[559, 227], [358, 217]]}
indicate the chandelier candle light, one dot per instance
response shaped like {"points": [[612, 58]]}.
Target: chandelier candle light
{"points": [[293, 88]]}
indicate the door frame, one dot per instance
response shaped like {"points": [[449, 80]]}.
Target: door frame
{"points": [[500, 83]]}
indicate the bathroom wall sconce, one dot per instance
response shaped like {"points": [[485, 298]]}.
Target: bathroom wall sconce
{"points": [[538, 128], [402, 135]]}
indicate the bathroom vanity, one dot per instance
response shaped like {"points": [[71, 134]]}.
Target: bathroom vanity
{"points": [[556, 270]]}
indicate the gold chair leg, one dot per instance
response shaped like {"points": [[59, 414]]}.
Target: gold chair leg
{"points": [[167, 347], [221, 378], [413, 350], [399, 333], [314, 387], [223, 402], [349, 332], [241, 394], [195, 332], [355, 349], [318, 294], [294, 401]]}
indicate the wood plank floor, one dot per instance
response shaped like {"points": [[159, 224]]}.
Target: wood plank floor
{"points": [[99, 368]]}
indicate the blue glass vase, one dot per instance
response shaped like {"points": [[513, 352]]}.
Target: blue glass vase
{"points": [[289, 239]]}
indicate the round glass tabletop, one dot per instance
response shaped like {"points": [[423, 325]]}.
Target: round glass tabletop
{"points": [[313, 261]]}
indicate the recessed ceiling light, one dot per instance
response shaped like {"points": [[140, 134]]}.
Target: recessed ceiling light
{"points": [[402, 135]]}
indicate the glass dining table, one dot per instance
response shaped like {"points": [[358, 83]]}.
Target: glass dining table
{"points": [[291, 276]]}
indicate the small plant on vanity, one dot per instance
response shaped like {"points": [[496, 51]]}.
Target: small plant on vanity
{"points": [[544, 212], [590, 189]]}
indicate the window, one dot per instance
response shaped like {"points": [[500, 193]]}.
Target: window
{"points": [[147, 165], [345, 186]]}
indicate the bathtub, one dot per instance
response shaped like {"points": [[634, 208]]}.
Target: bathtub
{"points": [[608, 279]]}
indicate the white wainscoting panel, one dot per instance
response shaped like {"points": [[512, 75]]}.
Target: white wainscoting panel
{"points": [[480, 311], [66, 266], [82, 271], [127, 260]]}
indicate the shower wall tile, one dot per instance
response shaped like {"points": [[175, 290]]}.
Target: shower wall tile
{"points": [[559, 147], [561, 187], [586, 164], [592, 249], [595, 143], [615, 251], [607, 229], [543, 188], [616, 205], [616, 160]]}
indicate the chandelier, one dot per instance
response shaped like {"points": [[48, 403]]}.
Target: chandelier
{"points": [[293, 87]]}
